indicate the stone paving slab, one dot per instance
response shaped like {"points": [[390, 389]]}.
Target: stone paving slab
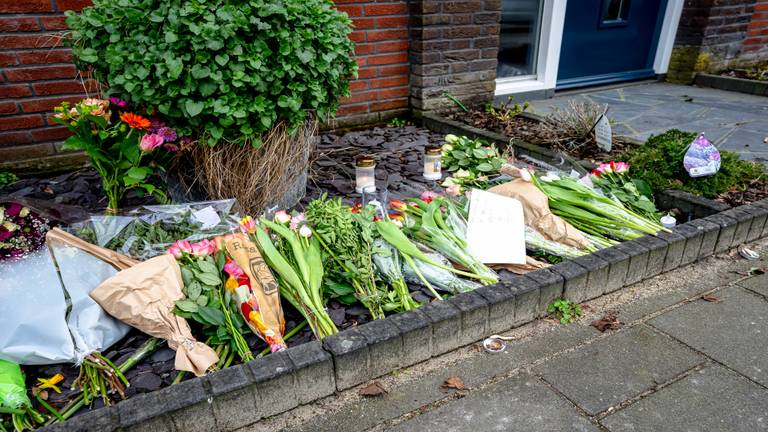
{"points": [[521, 403], [758, 284], [614, 369], [426, 390], [733, 331], [733, 121], [710, 399]]}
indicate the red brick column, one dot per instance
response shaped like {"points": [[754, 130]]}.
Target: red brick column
{"points": [[381, 38], [756, 43], [36, 74]]}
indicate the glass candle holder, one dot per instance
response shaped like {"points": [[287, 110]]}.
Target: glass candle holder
{"points": [[365, 179], [432, 163]]}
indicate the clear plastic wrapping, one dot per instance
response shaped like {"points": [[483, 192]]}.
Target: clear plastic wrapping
{"points": [[148, 231]]}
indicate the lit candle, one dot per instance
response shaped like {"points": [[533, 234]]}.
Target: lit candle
{"points": [[432, 163], [365, 179]]}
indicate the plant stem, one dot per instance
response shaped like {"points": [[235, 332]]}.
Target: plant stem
{"points": [[287, 336]]}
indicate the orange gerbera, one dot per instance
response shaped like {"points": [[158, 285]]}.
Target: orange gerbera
{"points": [[135, 121]]}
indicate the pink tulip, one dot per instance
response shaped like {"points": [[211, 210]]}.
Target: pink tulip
{"points": [[297, 220], [248, 225], [621, 167], [150, 142], [282, 217], [428, 196]]}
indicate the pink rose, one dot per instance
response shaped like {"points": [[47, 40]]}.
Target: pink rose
{"points": [[453, 190], [428, 196], [150, 141], [179, 248], [203, 247]]}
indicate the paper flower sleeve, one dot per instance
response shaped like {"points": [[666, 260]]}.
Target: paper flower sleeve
{"points": [[143, 296]]}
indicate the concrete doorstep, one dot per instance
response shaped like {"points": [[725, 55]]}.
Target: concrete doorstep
{"points": [[689, 354]]}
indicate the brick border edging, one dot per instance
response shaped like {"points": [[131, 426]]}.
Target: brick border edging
{"points": [[740, 85]]}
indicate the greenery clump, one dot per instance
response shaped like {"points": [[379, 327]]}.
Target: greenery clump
{"points": [[226, 70], [7, 178], [660, 163], [564, 310]]}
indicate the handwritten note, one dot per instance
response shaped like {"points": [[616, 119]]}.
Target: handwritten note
{"points": [[603, 134], [495, 230], [208, 217]]}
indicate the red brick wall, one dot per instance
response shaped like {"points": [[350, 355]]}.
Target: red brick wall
{"points": [[381, 38], [756, 43], [36, 74]]}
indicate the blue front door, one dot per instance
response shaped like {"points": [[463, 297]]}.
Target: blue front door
{"points": [[608, 41]]}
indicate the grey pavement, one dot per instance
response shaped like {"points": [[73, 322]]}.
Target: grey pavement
{"points": [[678, 363], [732, 121]]}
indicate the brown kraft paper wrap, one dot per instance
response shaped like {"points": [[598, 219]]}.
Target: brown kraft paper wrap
{"points": [[538, 215], [263, 287], [143, 296]]}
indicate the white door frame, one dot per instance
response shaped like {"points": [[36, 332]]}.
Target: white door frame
{"points": [[552, 23]]}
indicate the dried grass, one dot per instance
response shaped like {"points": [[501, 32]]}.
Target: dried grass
{"points": [[571, 128], [257, 178]]}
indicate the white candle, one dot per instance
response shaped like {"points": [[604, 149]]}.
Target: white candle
{"points": [[365, 170], [432, 163]]}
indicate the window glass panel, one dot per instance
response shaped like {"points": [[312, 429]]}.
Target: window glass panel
{"points": [[519, 37], [615, 10]]}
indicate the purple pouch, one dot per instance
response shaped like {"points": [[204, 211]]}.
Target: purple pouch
{"points": [[702, 158]]}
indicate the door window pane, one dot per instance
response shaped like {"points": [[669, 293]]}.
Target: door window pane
{"points": [[615, 11], [519, 37]]}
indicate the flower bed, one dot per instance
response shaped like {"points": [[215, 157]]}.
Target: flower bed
{"points": [[308, 370]]}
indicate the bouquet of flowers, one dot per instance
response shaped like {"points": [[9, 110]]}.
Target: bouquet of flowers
{"points": [[613, 180], [123, 147], [21, 230], [295, 255], [228, 290], [469, 161]]}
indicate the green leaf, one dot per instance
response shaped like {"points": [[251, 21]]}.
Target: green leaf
{"points": [[138, 173], [88, 55], [187, 305], [193, 108], [211, 316], [194, 290], [209, 279], [485, 167], [221, 59], [170, 37], [208, 267]]}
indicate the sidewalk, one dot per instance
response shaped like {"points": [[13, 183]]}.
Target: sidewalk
{"points": [[733, 121], [678, 363]]}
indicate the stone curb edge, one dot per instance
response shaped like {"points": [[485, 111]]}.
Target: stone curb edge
{"points": [[740, 85]]}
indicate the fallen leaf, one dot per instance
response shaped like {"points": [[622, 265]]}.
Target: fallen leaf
{"points": [[754, 271], [373, 389], [454, 382], [608, 322], [710, 298]]}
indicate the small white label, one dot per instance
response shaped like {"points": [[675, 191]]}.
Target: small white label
{"points": [[495, 230], [706, 170], [207, 216], [603, 134]]}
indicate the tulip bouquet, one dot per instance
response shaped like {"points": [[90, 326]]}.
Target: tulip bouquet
{"points": [[593, 213], [440, 225], [613, 180], [124, 148], [294, 255]]}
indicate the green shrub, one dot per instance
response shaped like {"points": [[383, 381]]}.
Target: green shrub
{"points": [[225, 69], [660, 163], [7, 178]]}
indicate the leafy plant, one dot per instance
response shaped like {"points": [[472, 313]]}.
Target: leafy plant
{"points": [[7, 178], [470, 160], [229, 70], [122, 147], [397, 122], [564, 310], [659, 161], [506, 111]]}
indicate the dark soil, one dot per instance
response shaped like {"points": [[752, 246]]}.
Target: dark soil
{"points": [[398, 153], [757, 190], [757, 73], [534, 132]]}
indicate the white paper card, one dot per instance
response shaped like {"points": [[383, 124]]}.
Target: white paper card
{"points": [[208, 217], [495, 230], [603, 135]]}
